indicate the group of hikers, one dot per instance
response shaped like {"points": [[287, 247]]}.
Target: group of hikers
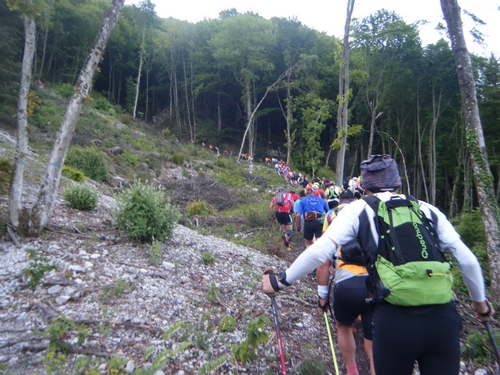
{"points": [[387, 254]]}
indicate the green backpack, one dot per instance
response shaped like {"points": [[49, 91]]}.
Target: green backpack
{"points": [[409, 268]]}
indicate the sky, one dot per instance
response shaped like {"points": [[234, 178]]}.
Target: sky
{"points": [[329, 15]]}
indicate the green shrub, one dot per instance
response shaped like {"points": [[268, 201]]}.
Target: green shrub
{"points": [[6, 174], [145, 214], [178, 158], [326, 172], [312, 367], [200, 208], [126, 118], [73, 173], [167, 134], [231, 178], [222, 163], [89, 161], [81, 196], [130, 158], [143, 144], [257, 218], [37, 267], [102, 104], [65, 90]]}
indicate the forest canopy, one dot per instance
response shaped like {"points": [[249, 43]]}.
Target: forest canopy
{"points": [[203, 80]]}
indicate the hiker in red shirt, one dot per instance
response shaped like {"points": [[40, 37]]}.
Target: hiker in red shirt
{"points": [[283, 214]]}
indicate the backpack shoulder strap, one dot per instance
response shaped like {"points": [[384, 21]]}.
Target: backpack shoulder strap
{"points": [[372, 201]]}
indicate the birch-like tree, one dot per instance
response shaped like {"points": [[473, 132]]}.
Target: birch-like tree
{"points": [[483, 177], [344, 93], [32, 221], [29, 10]]}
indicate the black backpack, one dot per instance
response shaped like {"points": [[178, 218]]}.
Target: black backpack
{"points": [[409, 268]]}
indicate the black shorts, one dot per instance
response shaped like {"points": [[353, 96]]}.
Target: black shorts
{"points": [[284, 218], [429, 335], [313, 228], [349, 301]]}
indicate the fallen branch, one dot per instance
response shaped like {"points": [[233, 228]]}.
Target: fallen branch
{"points": [[45, 309], [13, 235], [41, 348]]}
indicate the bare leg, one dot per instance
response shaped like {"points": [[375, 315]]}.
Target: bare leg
{"points": [[346, 342]]}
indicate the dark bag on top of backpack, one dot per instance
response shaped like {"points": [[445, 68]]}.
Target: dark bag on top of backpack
{"points": [[352, 253], [410, 269]]}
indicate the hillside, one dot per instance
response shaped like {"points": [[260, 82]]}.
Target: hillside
{"points": [[193, 307]]}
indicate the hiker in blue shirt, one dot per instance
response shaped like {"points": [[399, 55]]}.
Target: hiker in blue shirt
{"points": [[313, 210]]}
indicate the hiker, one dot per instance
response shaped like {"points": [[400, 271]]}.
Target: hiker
{"points": [[350, 296], [408, 330], [332, 195], [313, 210], [281, 207], [318, 192], [295, 207], [267, 161], [295, 196]]}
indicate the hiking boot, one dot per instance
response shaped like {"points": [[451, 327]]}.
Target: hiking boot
{"points": [[288, 248]]}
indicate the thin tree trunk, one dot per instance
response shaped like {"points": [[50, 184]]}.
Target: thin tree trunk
{"points": [[250, 119], [250, 127], [16, 188], [419, 142], [289, 115], [47, 14], [39, 216], [188, 109], [139, 71], [436, 112], [475, 141], [193, 105], [344, 99]]}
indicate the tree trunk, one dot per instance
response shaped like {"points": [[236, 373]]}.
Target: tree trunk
{"points": [[35, 220], [188, 109], [436, 112], [344, 96], [16, 188], [289, 115], [250, 115], [139, 71], [475, 141], [250, 119], [47, 15], [193, 105]]}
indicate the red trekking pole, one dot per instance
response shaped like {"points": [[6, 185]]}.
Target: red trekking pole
{"points": [[277, 327]]}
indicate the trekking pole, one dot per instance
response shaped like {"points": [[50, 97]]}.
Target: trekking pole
{"points": [[277, 327], [493, 342], [331, 343]]}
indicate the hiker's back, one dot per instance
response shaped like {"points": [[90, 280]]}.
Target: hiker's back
{"points": [[407, 267]]}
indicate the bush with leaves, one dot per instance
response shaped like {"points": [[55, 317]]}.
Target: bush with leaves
{"points": [[6, 174], [37, 267], [199, 207], [89, 160], [73, 173], [145, 214], [178, 158], [81, 196]]}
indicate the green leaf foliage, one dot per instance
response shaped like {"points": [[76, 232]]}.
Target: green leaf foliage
{"points": [[81, 196], [145, 214], [89, 160]]}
